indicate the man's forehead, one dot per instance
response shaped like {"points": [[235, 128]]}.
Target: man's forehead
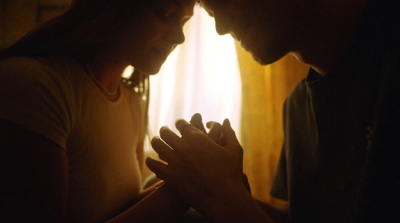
{"points": [[209, 6], [185, 2], [207, 1], [211, 3]]}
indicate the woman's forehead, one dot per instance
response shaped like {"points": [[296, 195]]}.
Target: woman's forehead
{"points": [[186, 4]]}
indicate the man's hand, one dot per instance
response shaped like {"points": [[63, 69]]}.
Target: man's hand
{"points": [[198, 167], [215, 133]]}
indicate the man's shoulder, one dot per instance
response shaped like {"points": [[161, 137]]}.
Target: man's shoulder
{"points": [[298, 94]]}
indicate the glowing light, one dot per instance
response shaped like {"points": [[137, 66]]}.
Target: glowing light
{"points": [[202, 75], [127, 72]]}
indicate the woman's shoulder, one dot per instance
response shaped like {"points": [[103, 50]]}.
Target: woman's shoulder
{"points": [[29, 65], [32, 95], [43, 69], [36, 63], [19, 61], [18, 64], [47, 77]]}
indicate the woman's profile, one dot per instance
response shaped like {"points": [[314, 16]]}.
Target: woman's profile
{"points": [[71, 129]]}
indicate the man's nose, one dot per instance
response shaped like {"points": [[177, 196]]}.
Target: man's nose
{"points": [[222, 24]]}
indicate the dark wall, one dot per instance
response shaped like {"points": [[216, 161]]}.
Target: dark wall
{"points": [[19, 16]]}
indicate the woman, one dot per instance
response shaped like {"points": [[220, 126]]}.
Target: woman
{"points": [[71, 132]]}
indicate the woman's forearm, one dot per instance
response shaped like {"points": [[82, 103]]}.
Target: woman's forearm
{"points": [[162, 205]]}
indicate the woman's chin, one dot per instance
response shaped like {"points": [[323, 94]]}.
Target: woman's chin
{"points": [[149, 70]]}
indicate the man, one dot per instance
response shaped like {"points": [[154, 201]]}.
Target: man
{"points": [[339, 160]]}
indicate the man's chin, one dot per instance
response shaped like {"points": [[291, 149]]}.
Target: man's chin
{"points": [[261, 60], [265, 58]]}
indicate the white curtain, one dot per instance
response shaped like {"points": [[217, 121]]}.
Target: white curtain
{"points": [[202, 75]]}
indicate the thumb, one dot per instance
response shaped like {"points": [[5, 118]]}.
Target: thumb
{"points": [[229, 133]]}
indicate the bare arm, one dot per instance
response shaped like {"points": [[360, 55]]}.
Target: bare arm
{"points": [[34, 176], [276, 213], [162, 205], [244, 208], [212, 171]]}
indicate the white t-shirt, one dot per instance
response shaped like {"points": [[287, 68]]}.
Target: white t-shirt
{"points": [[55, 98]]}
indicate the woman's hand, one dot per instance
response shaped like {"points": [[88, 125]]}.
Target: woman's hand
{"points": [[201, 170], [215, 128]]}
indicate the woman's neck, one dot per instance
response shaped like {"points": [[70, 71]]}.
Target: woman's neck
{"points": [[106, 74]]}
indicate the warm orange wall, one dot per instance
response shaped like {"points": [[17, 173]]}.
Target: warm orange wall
{"points": [[264, 90]]}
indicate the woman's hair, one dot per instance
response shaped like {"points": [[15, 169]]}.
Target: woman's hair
{"points": [[78, 33]]}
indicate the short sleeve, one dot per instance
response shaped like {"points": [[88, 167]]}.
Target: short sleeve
{"points": [[33, 96], [279, 188], [279, 183]]}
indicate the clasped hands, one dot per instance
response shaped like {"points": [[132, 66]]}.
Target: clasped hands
{"points": [[201, 166]]}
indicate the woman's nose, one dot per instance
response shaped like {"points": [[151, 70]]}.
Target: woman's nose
{"points": [[176, 34]]}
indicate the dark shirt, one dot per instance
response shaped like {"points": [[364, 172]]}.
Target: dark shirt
{"points": [[340, 156]]}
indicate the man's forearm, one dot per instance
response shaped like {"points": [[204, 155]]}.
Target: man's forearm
{"points": [[242, 207], [235, 206]]}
